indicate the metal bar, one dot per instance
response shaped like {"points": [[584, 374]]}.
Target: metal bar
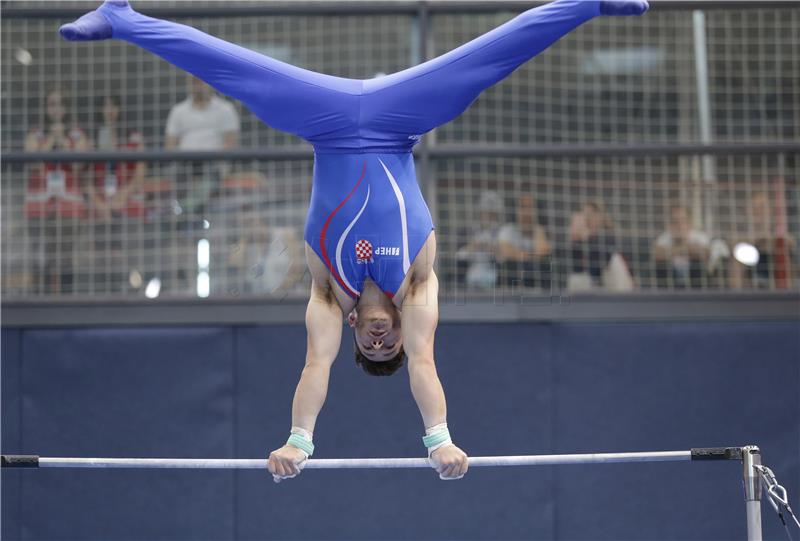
{"points": [[434, 151], [325, 7], [428, 140], [751, 457], [702, 205], [288, 153], [753, 509], [364, 463], [701, 77], [254, 310], [549, 151]]}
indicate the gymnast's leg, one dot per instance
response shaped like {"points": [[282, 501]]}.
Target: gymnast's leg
{"points": [[418, 99], [284, 96]]}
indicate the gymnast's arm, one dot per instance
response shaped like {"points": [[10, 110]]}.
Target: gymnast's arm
{"points": [[419, 319], [324, 330]]}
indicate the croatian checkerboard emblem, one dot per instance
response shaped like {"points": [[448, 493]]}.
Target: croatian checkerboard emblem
{"points": [[364, 251]]}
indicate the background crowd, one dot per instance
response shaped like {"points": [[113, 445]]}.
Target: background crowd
{"points": [[73, 208], [105, 209], [542, 224]]}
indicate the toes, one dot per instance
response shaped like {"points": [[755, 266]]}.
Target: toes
{"points": [[623, 7], [92, 26], [69, 32]]}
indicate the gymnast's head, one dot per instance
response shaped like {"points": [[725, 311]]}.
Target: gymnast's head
{"points": [[378, 338]]}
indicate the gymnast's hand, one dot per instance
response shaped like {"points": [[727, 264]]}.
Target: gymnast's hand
{"points": [[286, 462], [450, 462]]}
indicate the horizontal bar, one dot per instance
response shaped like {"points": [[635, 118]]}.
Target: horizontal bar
{"points": [[304, 152], [325, 7], [350, 463]]}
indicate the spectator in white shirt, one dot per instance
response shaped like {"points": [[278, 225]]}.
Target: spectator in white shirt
{"points": [[524, 250], [681, 253], [477, 260], [203, 121]]}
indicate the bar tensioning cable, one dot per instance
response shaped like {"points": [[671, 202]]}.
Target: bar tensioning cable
{"points": [[33, 461]]}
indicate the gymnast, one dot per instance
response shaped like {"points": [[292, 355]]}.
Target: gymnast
{"points": [[370, 242]]}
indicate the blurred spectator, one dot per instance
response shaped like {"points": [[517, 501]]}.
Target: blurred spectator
{"points": [[681, 253], [776, 248], [477, 266], [116, 196], [54, 196], [524, 250], [271, 259], [203, 121], [596, 261]]}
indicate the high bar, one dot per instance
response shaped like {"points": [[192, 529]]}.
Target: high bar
{"points": [[706, 453]]}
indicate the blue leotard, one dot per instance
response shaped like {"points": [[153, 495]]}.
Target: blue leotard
{"points": [[367, 216]]}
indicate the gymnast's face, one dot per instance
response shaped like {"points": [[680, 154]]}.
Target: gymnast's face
{"points": [[199, 90], [377, 332], [55, 106]]}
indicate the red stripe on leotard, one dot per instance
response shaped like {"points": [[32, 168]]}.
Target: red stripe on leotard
{"points": [[323, 237]]}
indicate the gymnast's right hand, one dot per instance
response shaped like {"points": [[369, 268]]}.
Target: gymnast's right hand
{"points": [[286, 462]]}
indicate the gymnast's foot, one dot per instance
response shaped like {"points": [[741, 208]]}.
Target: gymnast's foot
{"points": [[623, 7], [93, 25]]}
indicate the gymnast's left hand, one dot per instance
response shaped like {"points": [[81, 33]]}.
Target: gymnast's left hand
{"points": [[450, 462], [286, 462]]}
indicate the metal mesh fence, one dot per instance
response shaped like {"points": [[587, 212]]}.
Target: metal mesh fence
{"points": [[149, 87], [543, 225], [617, 81], [614, 223], [239, 224]]}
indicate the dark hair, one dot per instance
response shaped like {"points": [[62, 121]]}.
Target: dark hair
{"points": [[101, 102], [65, 103], [383, 368]]}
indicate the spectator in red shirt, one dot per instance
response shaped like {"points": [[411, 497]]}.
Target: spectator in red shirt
{"points": [[117, 200], [54, 197]]}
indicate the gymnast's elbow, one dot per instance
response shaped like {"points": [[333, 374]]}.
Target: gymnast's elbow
{"points": [[315, 374], [421, 365], [317, 364]]}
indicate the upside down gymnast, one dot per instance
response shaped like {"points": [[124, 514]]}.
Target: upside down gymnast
{"points": [[370, 241]]}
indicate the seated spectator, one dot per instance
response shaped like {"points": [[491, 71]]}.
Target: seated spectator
{"points": [[202, 121], [271, 259], [477, 259], [777, 249], [524, 250], [681, 253], [592, 246], [117, 199], [54, 199]]}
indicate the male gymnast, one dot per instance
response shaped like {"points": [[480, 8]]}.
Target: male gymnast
{"points": [[370, 241]]}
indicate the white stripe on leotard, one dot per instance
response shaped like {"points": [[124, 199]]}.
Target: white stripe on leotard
{"points": [[401, 202], [341, 242]]}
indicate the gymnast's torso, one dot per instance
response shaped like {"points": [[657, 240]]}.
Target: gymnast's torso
{"points": [[367, 219]]}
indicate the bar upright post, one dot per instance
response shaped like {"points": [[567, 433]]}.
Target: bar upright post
{"points": [[751, 456]]}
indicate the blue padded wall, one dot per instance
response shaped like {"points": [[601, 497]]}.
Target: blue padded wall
{"points": [[511, 389]]}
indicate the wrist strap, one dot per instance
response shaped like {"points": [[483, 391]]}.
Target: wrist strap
{"points": [[302, 442], [436, 437]]}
